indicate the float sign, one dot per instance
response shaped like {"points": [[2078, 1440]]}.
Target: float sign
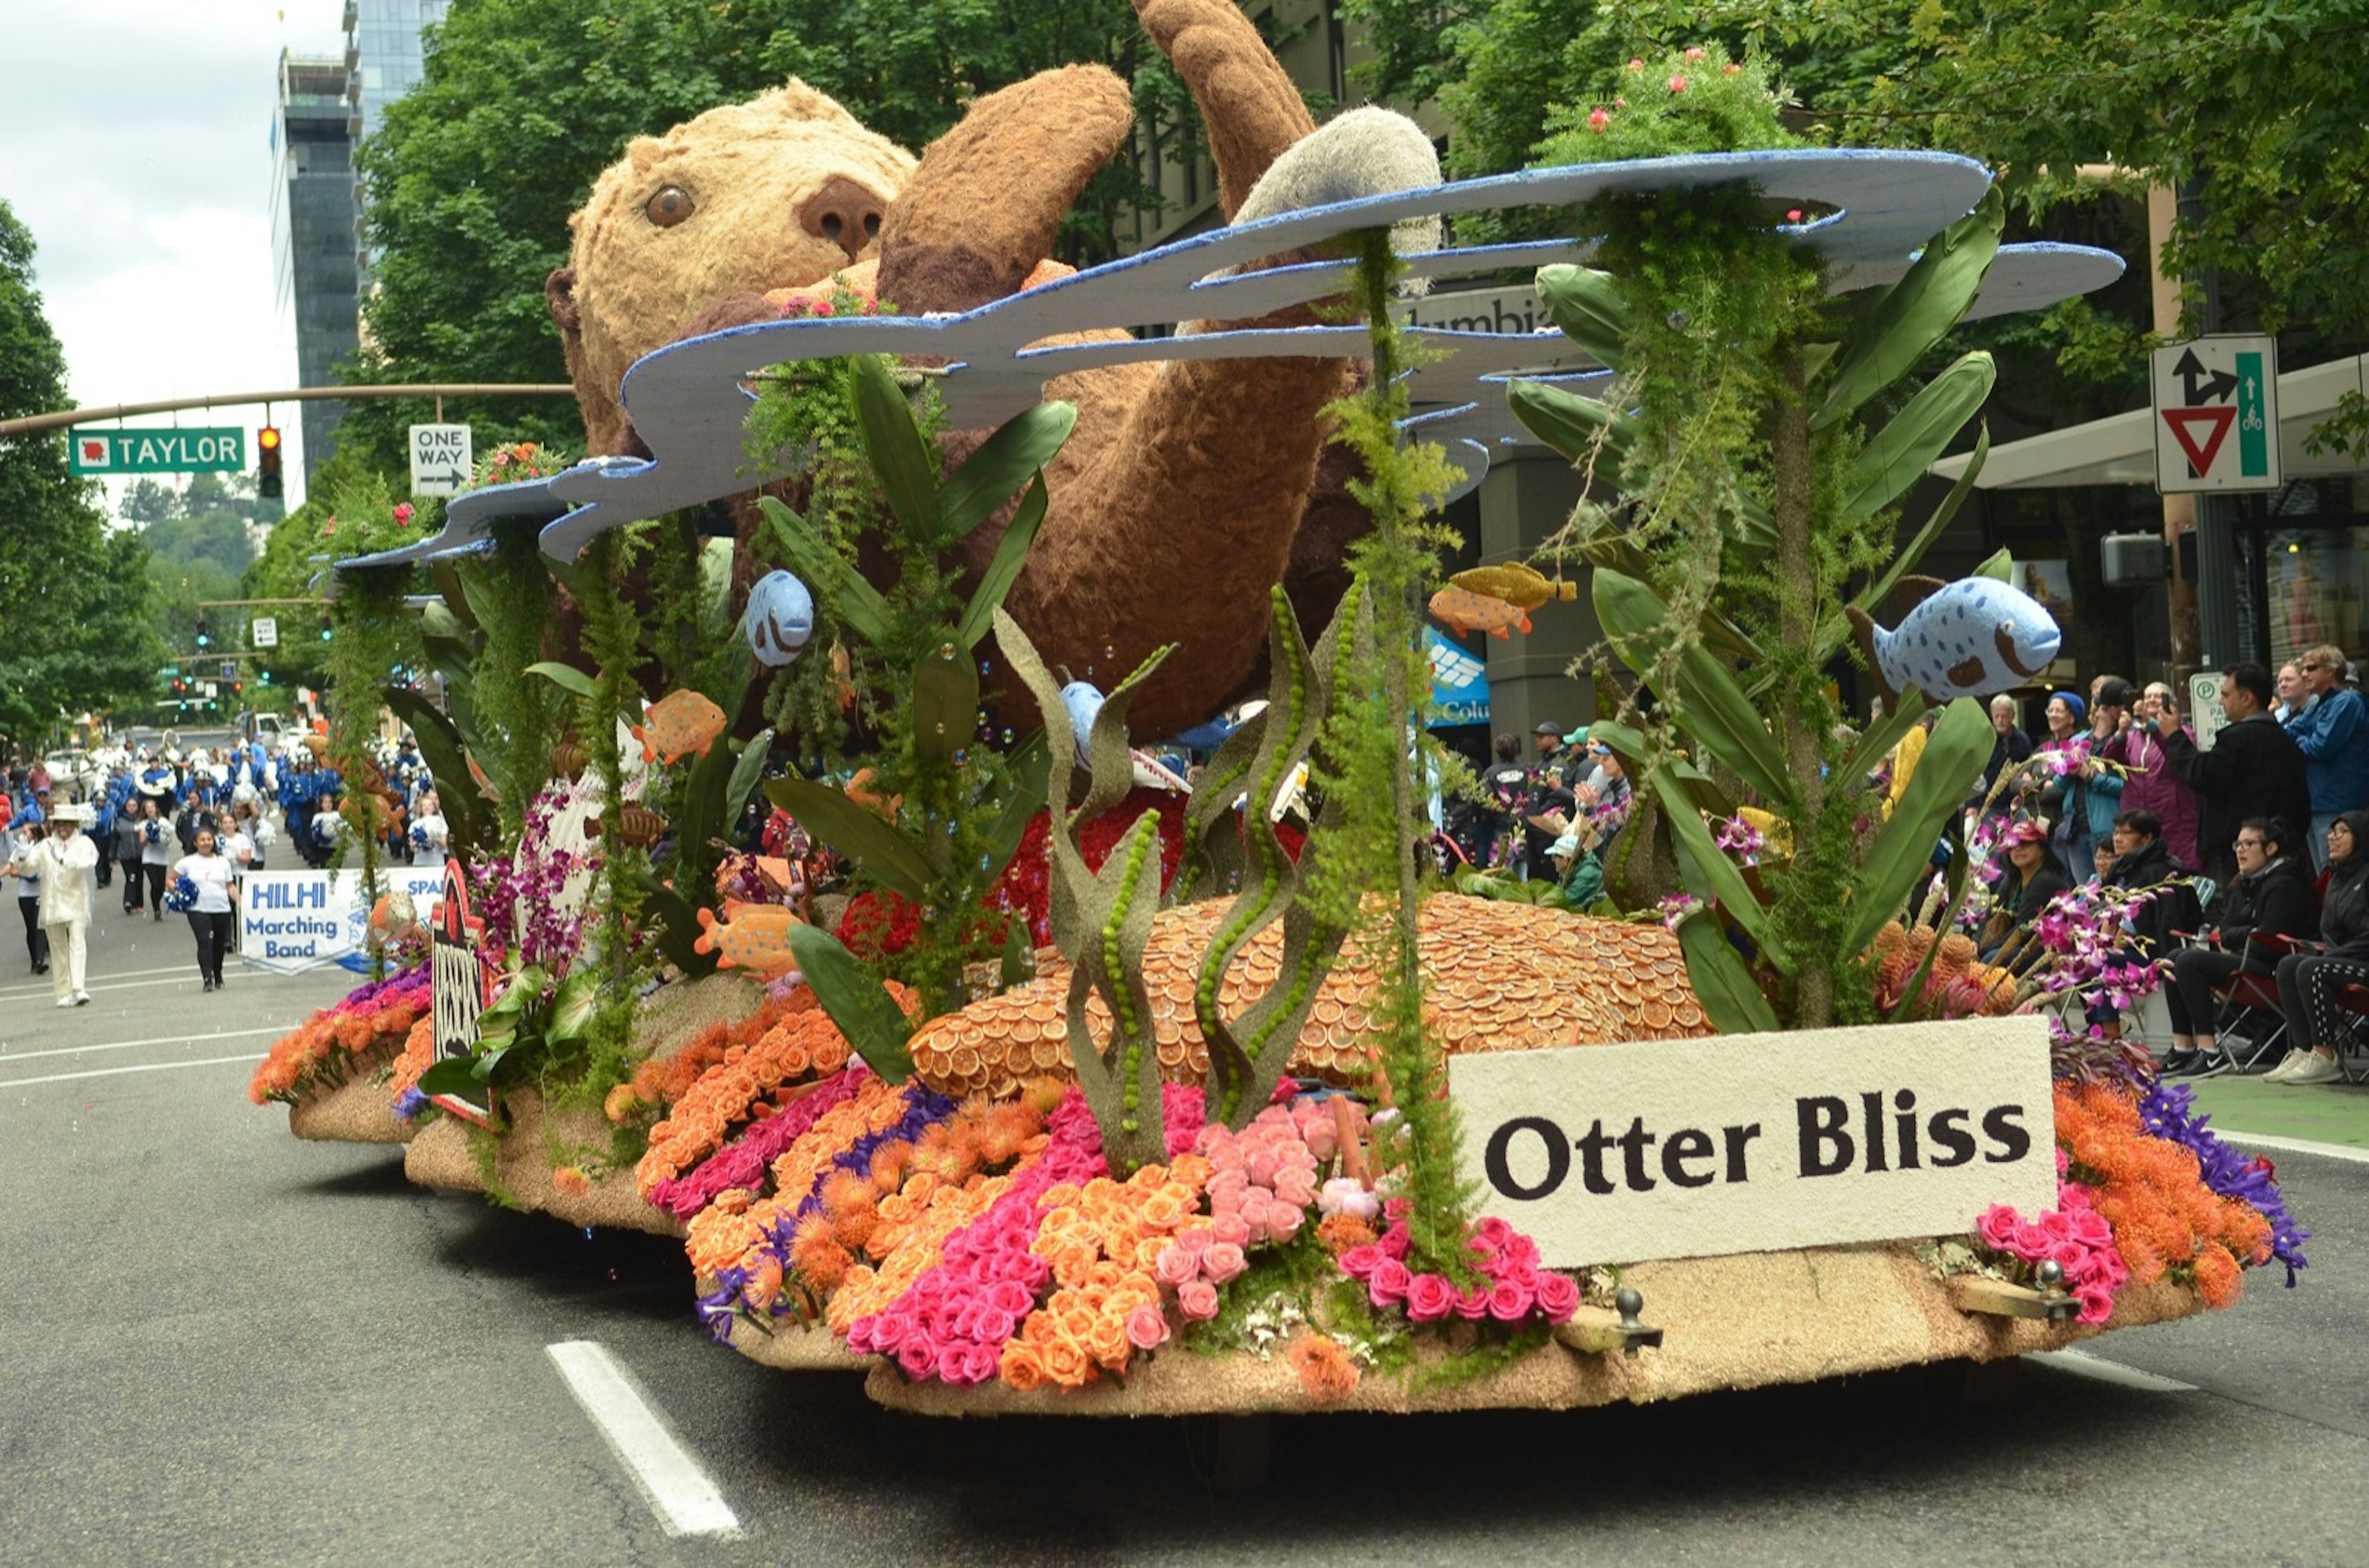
{"points": [[2216, 413], [459, 986], [292, 920], [1751, 1143], [441, 459]]}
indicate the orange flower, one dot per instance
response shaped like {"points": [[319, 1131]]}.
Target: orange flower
{"points": [[1326, 1373], [2217, 1277], [570, 1182], [1022, 1368]]}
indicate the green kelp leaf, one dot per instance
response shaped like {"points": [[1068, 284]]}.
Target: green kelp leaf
{"points": [[945, 704], [1998, 565], [881, 850], [1005, 462], [678, 926], [1722, 979], [454, 1075], [1029, 767], [1901, 453], [1879, 590], [854, 601], [1915, 313], [447, 759], [1589, 308], [747, 773], [900, 458], [567, 677], [1011, 554], [1951, 761], [1726, 882], [875, 1027], [1570, 423]]}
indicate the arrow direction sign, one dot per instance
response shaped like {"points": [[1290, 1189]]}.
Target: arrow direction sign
{"points": [[2202, 391]]}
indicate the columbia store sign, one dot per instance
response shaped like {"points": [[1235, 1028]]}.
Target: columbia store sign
{"points": [[1748, 1144]]}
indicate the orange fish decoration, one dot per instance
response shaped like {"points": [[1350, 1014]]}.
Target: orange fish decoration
{"points": [[756, 938], [1468, 611], [678, 724]]}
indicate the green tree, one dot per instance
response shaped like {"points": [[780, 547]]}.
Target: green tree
{"points": [[73, 595], [474, 172]]}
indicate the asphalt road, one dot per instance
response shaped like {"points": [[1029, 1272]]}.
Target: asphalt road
{"points": [[221, 1345]]}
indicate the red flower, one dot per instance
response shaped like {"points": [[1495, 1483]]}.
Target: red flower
{"points": [[1597, 119]]}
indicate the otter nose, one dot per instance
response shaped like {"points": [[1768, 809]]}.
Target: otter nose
{"points": [[844, 214]]}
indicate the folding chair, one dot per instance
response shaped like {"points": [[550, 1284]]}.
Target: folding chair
{"points": [[2352, 1046], [2249, 1026]]}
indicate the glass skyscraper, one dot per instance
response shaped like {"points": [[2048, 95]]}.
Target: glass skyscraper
{"points": [[312, 235]]}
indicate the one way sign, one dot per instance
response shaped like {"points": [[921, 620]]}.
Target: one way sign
{"points": [[2216, 415]]}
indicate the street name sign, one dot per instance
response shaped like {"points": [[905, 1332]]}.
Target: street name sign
{"points": [[263, 630], [441, 459], [2216, 413], [97, 453]]}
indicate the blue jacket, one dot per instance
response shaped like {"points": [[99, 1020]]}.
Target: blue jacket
{"points": [[2333, 736]]}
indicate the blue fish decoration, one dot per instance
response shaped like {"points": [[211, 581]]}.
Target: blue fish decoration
{"points": [[1968, 639], [1084, 702], [779, 620]]}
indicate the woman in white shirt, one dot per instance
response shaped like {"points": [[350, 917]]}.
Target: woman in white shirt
{"points": [[429, 835], [155, 854], [217, 884], [27, 872]]}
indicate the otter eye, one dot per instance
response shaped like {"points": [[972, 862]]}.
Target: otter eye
{"points": [[670, 206]]}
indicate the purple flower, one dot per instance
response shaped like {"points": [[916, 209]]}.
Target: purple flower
{"points": [[2168, 1110]]}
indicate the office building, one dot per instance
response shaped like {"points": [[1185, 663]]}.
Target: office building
{"points": [[313, 235]]}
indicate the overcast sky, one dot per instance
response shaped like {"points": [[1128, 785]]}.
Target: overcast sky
{"points": [[136, 144]]}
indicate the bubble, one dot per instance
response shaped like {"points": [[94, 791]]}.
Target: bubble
{"points": [[1109, 652], [1007, 735], [1677, 320], [985, 668], [961, 756]]}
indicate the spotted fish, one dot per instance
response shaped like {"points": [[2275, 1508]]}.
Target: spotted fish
{"points": [[779, 620], [757, 938], [1468, 611], [678, 724], [1519, 586], [1968, 639]]}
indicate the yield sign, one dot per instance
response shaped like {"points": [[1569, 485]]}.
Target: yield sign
{"points": [[2217, 428], [2199, 432]]}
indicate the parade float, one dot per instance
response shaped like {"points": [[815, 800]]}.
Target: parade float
{"points": [[1100, 1098]]}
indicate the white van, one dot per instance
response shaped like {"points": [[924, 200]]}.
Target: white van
{"points": [[270, 728]]}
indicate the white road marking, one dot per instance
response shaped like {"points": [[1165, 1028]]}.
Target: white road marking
{"points": [[2292, 1145], [42, 985], [686, 1501], [8, 1056], [2082, 1364], [112, 1071]]}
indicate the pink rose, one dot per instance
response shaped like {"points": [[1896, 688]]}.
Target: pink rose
{"points": [[1359, 1262], [1261, 1166], [1231, 1227], [890, 1329], [1517, 1254], [993, 1327], [859, 1337], [1174, 1266], [1996, 1228], [1472, 1305], [1430, 1298], [2096, 1303], [979, 1363], [1010, 1297], [953, 1361], [1558, 1296], [1198, 1300], [1396, 1241], [1146, 1327], [2031, 1243], [1387, 1285], [1256, 1203], [1491, 1232], [1284, 1222], [2058, 1226], [918, 1357], [1295, 1189], [1509, 1302], [1226, 1188], [1194, 1239], [1222, 1261]]}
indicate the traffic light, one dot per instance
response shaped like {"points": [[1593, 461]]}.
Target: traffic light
{"points": [[204, 639], [267, 462], [264, 676], [324, 628]]}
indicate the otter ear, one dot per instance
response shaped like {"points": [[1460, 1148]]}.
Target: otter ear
{"points": [[802, 102], [559, 292]]}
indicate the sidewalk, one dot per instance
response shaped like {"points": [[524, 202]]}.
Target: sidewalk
{"points": [[2319, 1113]]}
